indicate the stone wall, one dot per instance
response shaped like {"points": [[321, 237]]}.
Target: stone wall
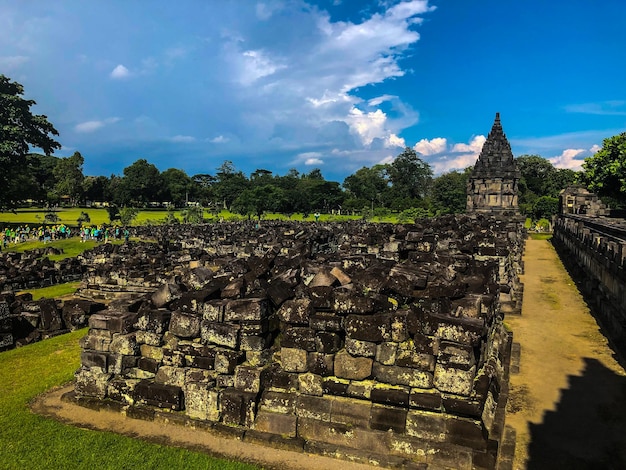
{"points": [[594, 248], [380, 343]]}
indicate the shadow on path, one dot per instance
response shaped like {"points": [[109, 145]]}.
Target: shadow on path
{"points": [[588, 428]]}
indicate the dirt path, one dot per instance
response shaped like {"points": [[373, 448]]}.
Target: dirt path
{"points": [[568, 403]]}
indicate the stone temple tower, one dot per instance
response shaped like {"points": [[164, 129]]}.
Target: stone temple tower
{"points": [[493, 184]]}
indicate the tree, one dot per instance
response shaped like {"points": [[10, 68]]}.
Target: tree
{"points": [[411, 178], [368, 186], [230, 183], [545, 207], [97, 188], [605, 172], [19, 130], [69, 176], [142, 183], [449, 192], [177, 186]]}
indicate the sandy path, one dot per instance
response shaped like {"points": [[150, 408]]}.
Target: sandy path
{"points": [[568, 403]]}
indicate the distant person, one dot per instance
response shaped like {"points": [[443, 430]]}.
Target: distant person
{"points": [[317, 216]]}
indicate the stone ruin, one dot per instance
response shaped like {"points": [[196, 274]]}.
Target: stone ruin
{"points": [[576, 199], [375, 343], [493, 185]]}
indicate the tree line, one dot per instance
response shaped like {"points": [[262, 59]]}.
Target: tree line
{"points": [[406, 185]]}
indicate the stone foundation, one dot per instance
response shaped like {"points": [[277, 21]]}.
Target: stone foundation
{"points": [[381, 343]]}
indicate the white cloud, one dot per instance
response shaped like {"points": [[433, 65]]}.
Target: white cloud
{"points": [[120, 72], [265, 10], [568, 159], [313, 161], [595, 148], [220, 139], [257, 64], [431, 147], [381, 99], [12, 62], [603, 108], [185, 139], [445, 157], [92, 126]]}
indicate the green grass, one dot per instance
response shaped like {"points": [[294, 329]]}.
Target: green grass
{"points": [[540, 236], [31, 441], [53, 292], [71, 247]]}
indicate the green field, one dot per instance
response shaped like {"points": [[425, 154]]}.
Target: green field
{"points": [[33, 442], [69, 216]]}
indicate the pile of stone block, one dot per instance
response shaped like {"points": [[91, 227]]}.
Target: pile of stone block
{"points": [[32, 269], [372, 342], [24, 320]]}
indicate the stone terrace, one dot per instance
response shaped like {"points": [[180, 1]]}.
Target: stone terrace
{"points": [[381, 343]]}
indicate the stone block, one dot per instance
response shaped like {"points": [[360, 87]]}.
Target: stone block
{"points": [[95, 341], [51, 319], [360, 348], [343, 435], [341, 276], [282, 381], [276, 423], [351, 412], [195, 374], [386, 353], [221, 334], [396, 375], [124, 344], [226, 360], [350, 302], [452, 380], [327, 342], [323, 321], [149, 365], [385, 418], [335, 386], [238, 408], [250, 379], [396, 395], [462, 406], [421, 361], [298, 337], [120, 363], [255, 328], [185, 324], [374, 328], [151, 352], [92, 382], [465, 432], [94, 359], [146, 337], [116, 322], [201, 401], [293, 360], [154, 321], [6, 341], [426, 425], [122, 390], [254, 342], [459, 356], [165, 294], [349, 367], [399, 326], [310, 384], [159, 395], [214, 310], [279, 291], [360, 389], [296, 311], [170, 375], [318, 408], [323, 278], [321, 364], [429, 399], [250, 309], [234, 289], [225, 381], [322, 297]]}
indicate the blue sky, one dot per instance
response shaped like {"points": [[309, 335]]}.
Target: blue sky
{"points": [[329, 84]]}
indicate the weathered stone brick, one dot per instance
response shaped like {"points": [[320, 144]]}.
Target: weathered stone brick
{"points": [[335, 386], [426, 425], [249, 309], [120, 363], [92, 382], [226, 360], [94, 359], [201, 401], [185, 325], [425, 362], [452, 380], [360, 348], [349, 367], [221, 334], [293, 360], [318, 408], [122, 389], [321, 364], [154, 321], [298, 337], [149, 365], [159, 395], [124, 344], [396, 375], [213, 310], [390, 395], [386, 353], [296, 311], [250, 379], [276, 423], [278, 402], [310, 384], [170, 375], [374, 328], [326, 322], [384, 418], [350, 411], [429, 399], [322, 297], [327, 342]]}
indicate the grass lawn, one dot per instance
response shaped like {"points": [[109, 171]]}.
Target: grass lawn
{"points": [[71, 247], [53, 292], [540, 236], [33, 442]]}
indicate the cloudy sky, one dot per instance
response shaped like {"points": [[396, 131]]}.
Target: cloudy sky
{"points": [[329, 84]]}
